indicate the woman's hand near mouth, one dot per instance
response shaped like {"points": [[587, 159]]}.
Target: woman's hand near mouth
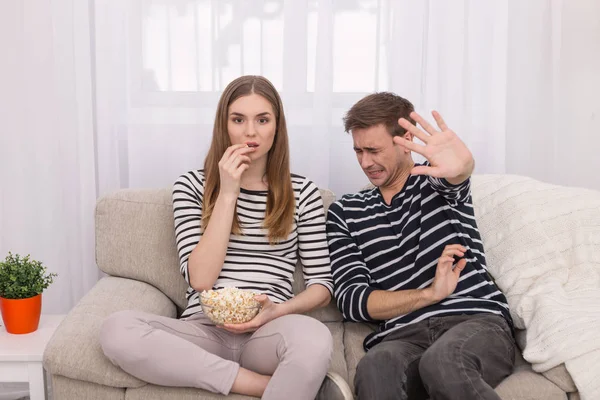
{"points": [[234, 162]]}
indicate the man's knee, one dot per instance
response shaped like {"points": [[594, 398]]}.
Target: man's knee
{"points": [[381, 374], [435, 363], [441, 369], [374, 367]]}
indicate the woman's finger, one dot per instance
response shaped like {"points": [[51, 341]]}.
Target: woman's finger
{"points": [[242, 160], [235, 151], [230, 150], [238, 171]]}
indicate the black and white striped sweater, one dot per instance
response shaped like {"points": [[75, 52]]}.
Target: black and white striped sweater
{"points": [[375, 246], [251, 262]]}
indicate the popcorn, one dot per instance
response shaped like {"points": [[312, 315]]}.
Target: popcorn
{"points": [[229, 305]]}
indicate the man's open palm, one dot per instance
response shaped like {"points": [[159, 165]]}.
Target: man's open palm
{"points": [[448, 156]]}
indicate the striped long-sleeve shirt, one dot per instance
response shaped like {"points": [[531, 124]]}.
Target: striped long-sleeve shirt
{"points": [[251, 262], [376, 246]]}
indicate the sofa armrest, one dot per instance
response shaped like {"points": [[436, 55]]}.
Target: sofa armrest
{"points": [[74, 351]]}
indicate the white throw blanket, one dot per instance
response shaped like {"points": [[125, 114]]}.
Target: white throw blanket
{"points": [[543, 248]]}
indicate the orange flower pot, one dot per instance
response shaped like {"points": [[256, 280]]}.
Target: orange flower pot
{"points": [[21, 315]]}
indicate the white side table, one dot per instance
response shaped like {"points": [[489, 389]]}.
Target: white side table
{"points": [[21, 356]]}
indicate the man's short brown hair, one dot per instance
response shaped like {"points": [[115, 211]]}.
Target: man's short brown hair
{"points": [[379, 108]]}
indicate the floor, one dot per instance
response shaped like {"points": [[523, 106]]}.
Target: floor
{"points": [[13, 391], [18, 391]]}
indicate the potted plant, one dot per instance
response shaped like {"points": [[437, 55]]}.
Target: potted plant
{"points": [[22, 282]]}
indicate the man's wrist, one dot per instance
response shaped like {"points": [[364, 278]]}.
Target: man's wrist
{"points": [[429, 296], [467, 172]]}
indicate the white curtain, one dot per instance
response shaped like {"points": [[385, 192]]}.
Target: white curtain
{"points": [[517, 80], [47, 154], [106, 94]]}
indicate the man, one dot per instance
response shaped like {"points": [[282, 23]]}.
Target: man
{"points": [[408, 255]]}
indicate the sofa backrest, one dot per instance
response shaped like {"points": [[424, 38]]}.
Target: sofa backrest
{"points": [[538, 235], [135, 239]]}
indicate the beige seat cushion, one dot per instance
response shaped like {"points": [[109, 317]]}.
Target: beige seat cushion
{"points": [[153, 392], [74, 351], [354, 334], [557, 375], [561, 378], [67, 389], [526, 384]]}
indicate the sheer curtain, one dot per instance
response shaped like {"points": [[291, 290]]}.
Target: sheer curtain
{"points": [[47, 154], [515, 79], [106, 94]]}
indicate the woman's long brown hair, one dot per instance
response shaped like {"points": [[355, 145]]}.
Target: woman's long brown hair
{"points": [[281, 205]]}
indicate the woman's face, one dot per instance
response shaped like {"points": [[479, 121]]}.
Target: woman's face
{"points": [[251, 121]]}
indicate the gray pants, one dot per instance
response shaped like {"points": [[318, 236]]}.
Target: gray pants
{"points": [[456, 357], [294, 349]]}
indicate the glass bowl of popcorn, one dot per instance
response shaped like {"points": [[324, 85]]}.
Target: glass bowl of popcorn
{"points": [[229, 305]]}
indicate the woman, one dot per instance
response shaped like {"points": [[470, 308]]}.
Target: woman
{"points": [[241, 222]]}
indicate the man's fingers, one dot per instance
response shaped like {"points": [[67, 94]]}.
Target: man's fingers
{"points": [[453, 252], [459, 267], [446, 259], [423, 122], [455, 246], [424, 170], [412, 146], [414, 130], [439, 120]]}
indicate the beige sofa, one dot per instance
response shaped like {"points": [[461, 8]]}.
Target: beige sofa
{"points": [[135, 247]]}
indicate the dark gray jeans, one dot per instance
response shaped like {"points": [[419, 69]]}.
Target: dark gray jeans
{"points": [[456, 357]]}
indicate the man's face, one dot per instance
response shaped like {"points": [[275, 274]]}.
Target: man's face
{"points": [[379, 157]]}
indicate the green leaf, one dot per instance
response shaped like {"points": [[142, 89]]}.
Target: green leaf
{"points": [[21, 277]]}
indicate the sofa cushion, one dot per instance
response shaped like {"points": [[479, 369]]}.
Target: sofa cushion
{"points": [[154, 392], [66, 388], [354, 334], [561, 378], [135, 238], [74, 351], [526, 384], [338, 359], [557, 375]]}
